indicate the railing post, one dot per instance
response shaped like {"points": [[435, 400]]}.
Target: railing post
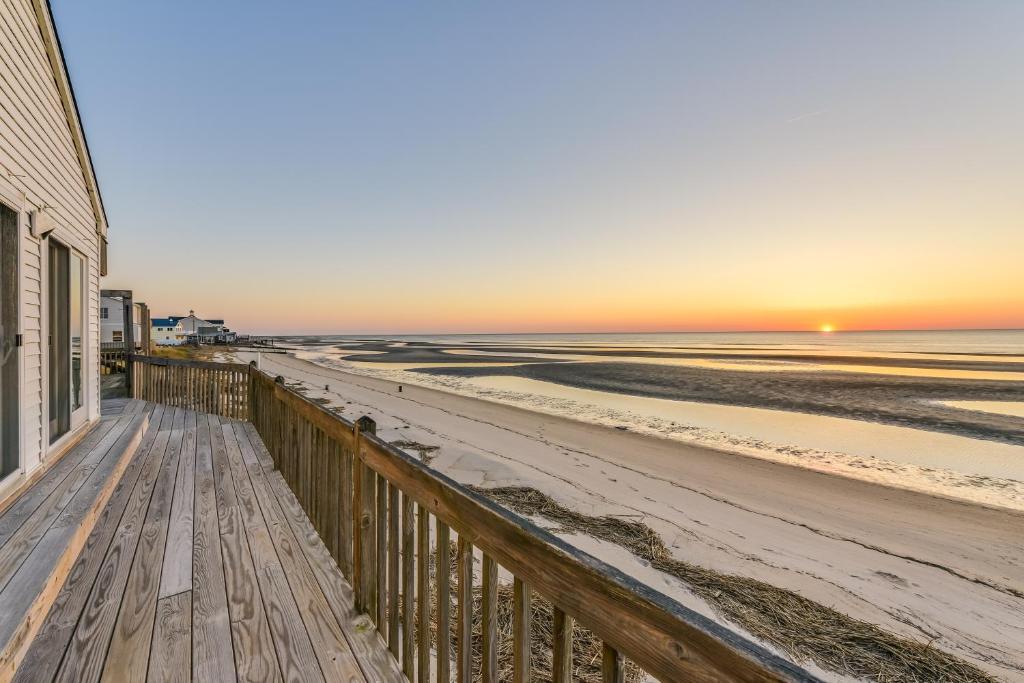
{"points": [[251, 391]]}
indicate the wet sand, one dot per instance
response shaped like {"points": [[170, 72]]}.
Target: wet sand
{"points": [[415, 352], [888, 399], [922, 566]]}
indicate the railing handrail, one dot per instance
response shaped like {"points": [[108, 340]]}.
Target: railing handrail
{"points": [[178, 362], [663, 637]]}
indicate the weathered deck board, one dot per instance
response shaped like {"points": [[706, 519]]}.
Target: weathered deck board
{"points": [[86, 653], [176, 576], [170, 659], [337, 661], [47, 649], [212, 654], [294, 650], [367, 643], [128, 655], [254, 648], [202, 566], [42, 553]]}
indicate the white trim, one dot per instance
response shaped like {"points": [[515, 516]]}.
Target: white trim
{"points": [[22, 427], [11, 482], [89, 388], [11, 195]]}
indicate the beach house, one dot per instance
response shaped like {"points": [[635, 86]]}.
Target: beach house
{"points": [[53, 245], [203, 331], [167, 332], [192, 324], [112, 321]]}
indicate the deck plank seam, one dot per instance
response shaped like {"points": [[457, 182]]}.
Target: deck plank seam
{"points": [[85, 608], [270, 523], [175, 453], [70, 626], [256, 527]]}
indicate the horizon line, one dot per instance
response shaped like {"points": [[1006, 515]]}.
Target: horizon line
{"points": [[803, 331]]}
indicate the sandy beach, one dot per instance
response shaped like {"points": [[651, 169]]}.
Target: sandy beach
{"points": [[926, 567]]}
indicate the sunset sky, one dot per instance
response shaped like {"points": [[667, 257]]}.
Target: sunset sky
{"points": [[574, 166]]}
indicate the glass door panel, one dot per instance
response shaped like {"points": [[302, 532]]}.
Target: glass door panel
{"points": [[59, 324], [76, 316], [9, 394]]}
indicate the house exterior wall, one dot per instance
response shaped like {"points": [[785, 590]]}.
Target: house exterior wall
{"points": [[114, 320], [165, 335], [40, 167], [111, 318]]}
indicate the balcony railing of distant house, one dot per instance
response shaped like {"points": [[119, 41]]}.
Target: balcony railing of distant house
{"points": [[113, 358], [389, 521]]}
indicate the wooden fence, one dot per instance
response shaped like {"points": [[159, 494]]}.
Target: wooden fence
{"points": [[217, 388], [386, 518]]}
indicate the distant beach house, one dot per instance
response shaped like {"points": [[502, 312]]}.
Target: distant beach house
{"points": [[201, 331], [191, 324], [168, 332], [112, 321], [53, 250]]}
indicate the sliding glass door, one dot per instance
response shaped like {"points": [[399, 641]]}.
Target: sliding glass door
{"points": [[9, 390], [66, 321]]}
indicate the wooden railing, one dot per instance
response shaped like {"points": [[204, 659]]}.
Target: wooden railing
{"points": [[218, 388], [112, 360], [390, 522]]}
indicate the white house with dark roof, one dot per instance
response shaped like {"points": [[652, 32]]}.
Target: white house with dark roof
{"points": [[192, 324], [167, 332]]}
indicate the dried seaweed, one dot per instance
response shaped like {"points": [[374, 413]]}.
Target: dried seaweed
{"points": [[802, 628]]}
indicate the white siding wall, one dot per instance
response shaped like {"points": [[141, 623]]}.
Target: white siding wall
{"points": [[39, 161]]}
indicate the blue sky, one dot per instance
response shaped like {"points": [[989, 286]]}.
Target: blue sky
{"points": [[385, 167]]}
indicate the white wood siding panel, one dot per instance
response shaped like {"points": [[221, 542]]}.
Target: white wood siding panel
{"points": [[37, 147]]}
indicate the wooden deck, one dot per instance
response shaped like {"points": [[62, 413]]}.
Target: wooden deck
{"points": [[200, 566]]}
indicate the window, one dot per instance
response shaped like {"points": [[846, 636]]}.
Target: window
{"points": [[118, 336], [104, 313]]}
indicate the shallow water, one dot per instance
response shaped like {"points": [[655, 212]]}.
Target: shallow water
{"points": [[1014, 408], [819, 432], [768, 365], [946, 464]]}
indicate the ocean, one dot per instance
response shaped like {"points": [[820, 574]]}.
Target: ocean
{"points": [[941, 412]]}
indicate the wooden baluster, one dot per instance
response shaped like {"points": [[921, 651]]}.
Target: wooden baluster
{"points": [[562, 646], [521, 623], [346, 536], [370, 510], [612, 669], [408, 586], [444, 617], [382, 552], [464, 664], [423, 592], [393, 578], [359, 548], [489, 618]]}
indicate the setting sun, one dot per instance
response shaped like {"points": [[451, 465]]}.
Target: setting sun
{"points": [[827, 328]]}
